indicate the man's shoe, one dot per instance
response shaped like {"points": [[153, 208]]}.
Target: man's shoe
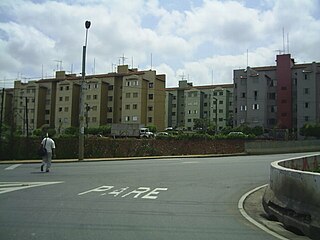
{"points": [[42, 168]]}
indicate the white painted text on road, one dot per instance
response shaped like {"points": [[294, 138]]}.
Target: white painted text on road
{"points": [[140, 192]]}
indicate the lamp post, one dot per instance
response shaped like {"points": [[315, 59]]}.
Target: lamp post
{"points": [[81, 102]]}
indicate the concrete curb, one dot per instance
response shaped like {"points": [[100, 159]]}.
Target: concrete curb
{"points": [[119, 159]]}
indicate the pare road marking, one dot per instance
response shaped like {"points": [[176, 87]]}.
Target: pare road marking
{"points": [[6, 187], [140, 192]]}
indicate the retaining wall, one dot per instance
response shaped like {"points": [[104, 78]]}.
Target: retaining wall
{"points": [[293, 195]]}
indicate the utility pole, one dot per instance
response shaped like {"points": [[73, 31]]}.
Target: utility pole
{"points": [[81, 102]]}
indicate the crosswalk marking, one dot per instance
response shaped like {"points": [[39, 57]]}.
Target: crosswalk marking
{"points": [[6, 187], [13, 166]]}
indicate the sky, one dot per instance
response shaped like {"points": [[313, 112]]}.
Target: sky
{"points": [[201, 41]]}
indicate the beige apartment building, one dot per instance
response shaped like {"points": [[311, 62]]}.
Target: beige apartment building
{"points": [[186, 103], [125, 96]]}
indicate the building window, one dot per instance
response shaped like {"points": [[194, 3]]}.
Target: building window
{"points": [[243, 95], [67, 88], [135, 95], [60, 109], [47, 111], [110, 87], [94, 108], [255, 106], [127, 107], [306, 91], [220, 110], [95, 97], [149, 119], [135, 106], [61, 88], [255, 93], [110, 98], [60, 99], [128, 95], [220, 102], [221, 93], [150, 96], [306, 118], [109, 120], [151, 85], [109, 109], [306, 105], [134, 118], [150, 108], [127, 118], [88, 97], [305, 76], [189, 119], [94, 119], [243, 108]]}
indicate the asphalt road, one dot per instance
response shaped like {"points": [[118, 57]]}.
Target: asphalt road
{"points": [[187, 198]]}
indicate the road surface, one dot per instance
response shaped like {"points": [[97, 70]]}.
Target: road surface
{"points": [[180, 198]]}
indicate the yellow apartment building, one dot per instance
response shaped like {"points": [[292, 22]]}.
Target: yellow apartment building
{"points": [[126, 96]]}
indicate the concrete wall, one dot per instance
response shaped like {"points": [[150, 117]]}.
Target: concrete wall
{"points": [[293, 195], [271, 147]]}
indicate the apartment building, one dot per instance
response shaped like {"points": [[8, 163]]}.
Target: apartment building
{"points": [[186, 103], [285, 96], [125, 96]]}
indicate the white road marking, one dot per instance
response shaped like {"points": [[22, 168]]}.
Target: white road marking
{"points": [[250, 219], [140, 192], [13, 166], [6, 187], [190, 162]]}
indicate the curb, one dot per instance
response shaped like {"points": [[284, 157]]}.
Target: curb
{"points": [[253, 221], [120, 158]]}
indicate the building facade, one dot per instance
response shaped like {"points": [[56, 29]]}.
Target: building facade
{"points": [[125, 96], [285, 96], [187, 103]]}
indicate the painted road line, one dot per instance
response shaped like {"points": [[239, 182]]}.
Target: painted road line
{"points": [[6, 187], [13, 166], [250, 219], [190, 162]]}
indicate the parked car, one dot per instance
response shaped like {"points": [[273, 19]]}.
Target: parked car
{"points": [[145, 133], [159, 134]]}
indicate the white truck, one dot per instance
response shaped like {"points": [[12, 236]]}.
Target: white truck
{"points": [[130, 130]]}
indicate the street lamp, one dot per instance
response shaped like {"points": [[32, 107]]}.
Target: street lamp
{"points": [[81, 102]]}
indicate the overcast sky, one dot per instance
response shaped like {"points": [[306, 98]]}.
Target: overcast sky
{"points": [[198, 40]]}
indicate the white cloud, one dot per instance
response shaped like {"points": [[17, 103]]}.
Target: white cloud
{"points": [[194, 39]]}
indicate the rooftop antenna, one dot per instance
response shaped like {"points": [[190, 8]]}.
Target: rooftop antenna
{"points": [[123, 58], [288, 43], [284, 49], [182, 77], [132, 62], [247, 58], [151, 62], [59, 63]]}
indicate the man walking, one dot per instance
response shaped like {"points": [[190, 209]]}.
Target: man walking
{"points": [[50, 146]]}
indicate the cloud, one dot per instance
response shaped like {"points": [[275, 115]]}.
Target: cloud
{"points": [[195, 37]]}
